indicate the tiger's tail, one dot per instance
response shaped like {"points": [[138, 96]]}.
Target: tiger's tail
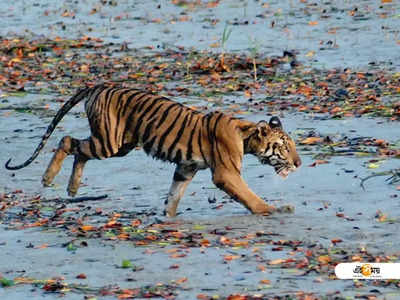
{"points": [[79, 96]]}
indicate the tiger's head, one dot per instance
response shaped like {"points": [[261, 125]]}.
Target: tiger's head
{"points": [[273, 146]]}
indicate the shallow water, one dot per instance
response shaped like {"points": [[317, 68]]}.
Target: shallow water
{"points": [[317, 193], [331, 34]]}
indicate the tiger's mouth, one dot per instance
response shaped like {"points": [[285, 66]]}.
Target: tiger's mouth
{"points": [[284, 171]]}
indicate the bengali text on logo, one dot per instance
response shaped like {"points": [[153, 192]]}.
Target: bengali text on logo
{"points": [[368, 270]]}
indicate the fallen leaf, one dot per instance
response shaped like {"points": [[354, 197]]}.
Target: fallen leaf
{"points": [[277, 261], [126, 264], [261, 268], [319, 162], [178, 255], [174, 266], [136, 222], [231, 257], [225, 241], [311, 141], [310, 54], [265, 281], [205, 243], [236, 297], [324, 259], [4, 282], [181, 280], [373, 166], [335, 241], [87, 228]]}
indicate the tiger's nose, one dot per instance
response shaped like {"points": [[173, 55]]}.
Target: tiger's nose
{"points": [[297, 162]]}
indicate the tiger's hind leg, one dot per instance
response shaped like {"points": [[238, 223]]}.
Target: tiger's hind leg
{"points": [[69, 146], [64, 149], [182, 177], [77, 170]]}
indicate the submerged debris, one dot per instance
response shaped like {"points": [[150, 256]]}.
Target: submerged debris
{"points": [[59, 66]]}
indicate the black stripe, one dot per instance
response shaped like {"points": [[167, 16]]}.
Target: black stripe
{"points": [[178, 157], [178, 136], [179, 177], [147, 110], [94, 96], [216, 142], [155, 111], [149, 145], [93, 151], [107, 115], [128, 102], [189, 151], [165, 134], [122, 112], [144, 98], [82, 154], [147, 130], [133, 112], [139, 121], [210, 139], [118, 110], [102, 146], [199, 140], [165, 113], [234, 165]]}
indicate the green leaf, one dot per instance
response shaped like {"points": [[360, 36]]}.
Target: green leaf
{"points": [[198, 227], [18, 94], [6, 282], [71, 247], [126, 263]]}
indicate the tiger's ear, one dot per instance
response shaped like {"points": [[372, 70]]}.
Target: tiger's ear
{"points": [[262, 129], [247, 128], [274, 122], [262, 123]]}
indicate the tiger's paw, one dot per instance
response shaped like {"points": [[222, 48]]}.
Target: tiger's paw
{"points": [[285, 209], [264, 209]]}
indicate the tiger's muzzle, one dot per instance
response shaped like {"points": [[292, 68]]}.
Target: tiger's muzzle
{"points": [[282, 168]]}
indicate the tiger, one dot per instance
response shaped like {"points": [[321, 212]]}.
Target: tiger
{"points": [[121, 119]]}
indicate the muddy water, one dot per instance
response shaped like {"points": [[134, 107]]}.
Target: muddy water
{"points": [[318, 194], [328, 34], [334, 38]]}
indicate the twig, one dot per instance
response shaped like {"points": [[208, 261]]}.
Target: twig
{"points": [[393, 179], [78, 199], [88, 198]]}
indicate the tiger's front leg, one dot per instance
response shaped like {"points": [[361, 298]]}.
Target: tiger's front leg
{"points": [[233, 184], [182, 177]]}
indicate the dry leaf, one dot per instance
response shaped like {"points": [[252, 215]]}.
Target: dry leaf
{"points": [[324, 259], [277, 261], [231, 257], [311, 141]]}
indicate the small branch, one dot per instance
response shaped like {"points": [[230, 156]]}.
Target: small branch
{"points": [[88, 198], [393, 179], [77, 200]]}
